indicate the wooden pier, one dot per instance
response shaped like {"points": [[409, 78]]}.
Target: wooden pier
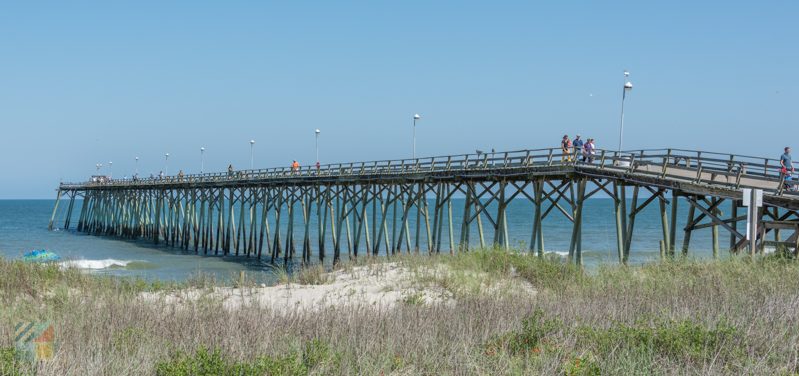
{"points": [[226, 213]]}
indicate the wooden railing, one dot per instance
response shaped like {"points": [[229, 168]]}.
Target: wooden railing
{"points": [[723, 170]]}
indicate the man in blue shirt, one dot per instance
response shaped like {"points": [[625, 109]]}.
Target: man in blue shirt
{"points": [[578, 145], [785, 160]]}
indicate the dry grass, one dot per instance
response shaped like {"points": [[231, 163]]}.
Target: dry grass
{"points": [[724, 317]]}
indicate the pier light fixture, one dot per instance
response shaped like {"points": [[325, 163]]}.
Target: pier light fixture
{"points": [[415, 117], [137, 167], [166, 169], [111, 169], [317, 145], [202, 161], [252, 142], [627, 87]]}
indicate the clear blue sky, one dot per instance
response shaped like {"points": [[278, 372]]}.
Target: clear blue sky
{"points": [[83, 83]]}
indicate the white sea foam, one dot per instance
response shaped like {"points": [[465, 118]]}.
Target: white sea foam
{"points": [[562, 254], [98, 264]]}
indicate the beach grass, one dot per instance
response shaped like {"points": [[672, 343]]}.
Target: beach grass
{"points": [[730, 316]]}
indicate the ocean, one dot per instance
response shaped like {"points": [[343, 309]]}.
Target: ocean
{"points": [[23, 228]]}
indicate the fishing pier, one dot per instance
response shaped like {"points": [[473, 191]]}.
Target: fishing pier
{"points": [[364, 207]]}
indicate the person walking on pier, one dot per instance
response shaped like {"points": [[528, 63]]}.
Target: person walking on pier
{"points": [[588, 149], [578, 145], [230, 171], [295, 167], [785, 160], [565, 146], [180, 175], [787, 167]]}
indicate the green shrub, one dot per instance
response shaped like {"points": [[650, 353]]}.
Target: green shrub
{"points": [[9, 365], [534, 330], [316, 356], [668, 337]]}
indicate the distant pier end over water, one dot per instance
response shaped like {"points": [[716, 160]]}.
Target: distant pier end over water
{"points": [[392, 206]]}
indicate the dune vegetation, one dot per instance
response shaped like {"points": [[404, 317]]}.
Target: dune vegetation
{"points": [[507, 313]]}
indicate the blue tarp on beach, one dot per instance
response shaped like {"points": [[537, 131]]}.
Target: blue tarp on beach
{"points": [[40, 255]]}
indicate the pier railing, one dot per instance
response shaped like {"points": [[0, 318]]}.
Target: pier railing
{"points": [[700, 167]]}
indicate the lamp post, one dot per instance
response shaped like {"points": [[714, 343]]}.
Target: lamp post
{"points": [[111, 169], [627, 87], [415, 117], [202, 161], [137, 167], [166, 169], [317, 146], [252, 142]]}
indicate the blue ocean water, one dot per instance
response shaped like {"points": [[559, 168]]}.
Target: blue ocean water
{"points": [[23, 228]]}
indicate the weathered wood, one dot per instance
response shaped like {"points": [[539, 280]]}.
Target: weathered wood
{"points": [[621, 224], [687, 239]]}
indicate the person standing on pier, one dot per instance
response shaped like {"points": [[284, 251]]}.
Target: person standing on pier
{"points": [[588, 149], [565, 146], [785, 160], [295, 167], [578, 145], [230, 171]]}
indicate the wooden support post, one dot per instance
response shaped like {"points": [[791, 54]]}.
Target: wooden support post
{"points": [[360, 218], [229, 223], [69, 211], [328, 207], [306, 238], [537, 239], [734, 225], [664, 224], [394, 222], [575, 248], [436, 216], [57, 198], [467, 208], [715, 238], [673, 230], [276, 248], [266, 201], [621, 218], [242, 233], [427, 225], [384, 217], [220, 222], [479, 224], [449, 221], [341, 214], [753, 215], [631, 226], [687, 240], [499, 230], [418, 219], [333, 231], [158, 205]]}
